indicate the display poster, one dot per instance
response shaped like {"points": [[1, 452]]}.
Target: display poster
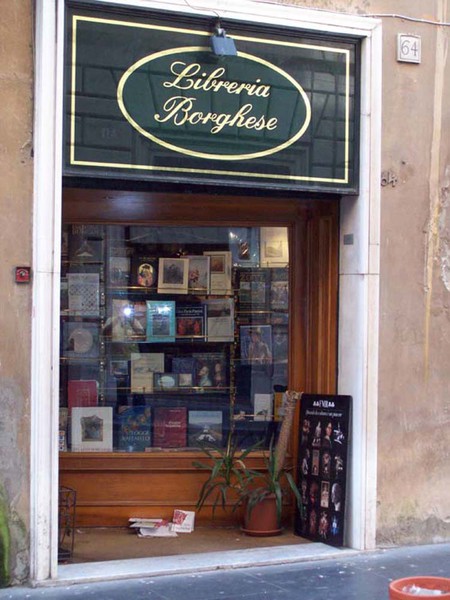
{"points": [[323, 467]]}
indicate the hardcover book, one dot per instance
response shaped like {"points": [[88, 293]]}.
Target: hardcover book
{"points": [[83, 291], [253, 288], [199, 274], [211, 370], [280, 343], [183, 521], [185, 367], [279, 289], [220, 319], [279, 402], [205, 427], [82, 392], [220, 268], [185, 380], [190, 321], [85, 243], [263, 407], [62, 429], [80, 339], [256, 344], [142, 367], [119, 271], [170, 427], [160, 321], [128, 321], [92, 429], [173, 275], [144, 271], [165, 382], [244, 244], [274, 246], [134, 431]]}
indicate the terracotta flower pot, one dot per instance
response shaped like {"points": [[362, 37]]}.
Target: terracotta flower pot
{"points": [[262, 520], [398, 589]]}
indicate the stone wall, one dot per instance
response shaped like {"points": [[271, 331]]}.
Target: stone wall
{"points": [[414, 381], [16, 202], [414, 375]]}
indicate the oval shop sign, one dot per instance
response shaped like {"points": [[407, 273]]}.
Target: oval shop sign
{"points": [[195, 103]]}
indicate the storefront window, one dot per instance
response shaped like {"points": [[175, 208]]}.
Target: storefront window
{"points": [[172, 337]]}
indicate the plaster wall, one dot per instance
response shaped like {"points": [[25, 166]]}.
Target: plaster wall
{"points": [[16, 201], [414, 385], [414, 403], [413, 503]]}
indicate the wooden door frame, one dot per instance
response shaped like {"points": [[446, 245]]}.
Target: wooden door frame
{"points": [[314, 240], [313, 228]]}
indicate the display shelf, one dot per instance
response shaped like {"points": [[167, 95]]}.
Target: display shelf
{"points": [[169, 328]]}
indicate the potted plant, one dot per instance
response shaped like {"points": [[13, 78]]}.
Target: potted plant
{"points": [[264, 490], [258, 491], [228, 474]]}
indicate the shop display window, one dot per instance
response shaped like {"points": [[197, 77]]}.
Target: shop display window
{"points": [[171, 337]]}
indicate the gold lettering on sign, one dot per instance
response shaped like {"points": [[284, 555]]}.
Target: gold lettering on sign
{"points": [[179, 110], [186, 97], [185, 80]]}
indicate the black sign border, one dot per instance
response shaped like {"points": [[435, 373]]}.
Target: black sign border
{"points": [[235, 179]]}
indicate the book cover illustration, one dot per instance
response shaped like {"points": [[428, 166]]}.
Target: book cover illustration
{"points": [[82, 392], [220, 319], [211, 370], [199, 274], [274, 246], [92, 429], [165, 382], [256, 344], [160, 321], [83, 293], [85, 243], [134, 428], [170, 427], [142, 367], [64, 295], [62, 429], [190, 321], [280, 343], [205, 427], [220, 271], [119, 271], [185, 368], [173, 275], [263, 404], [253, 289], [183, 521], [144, 271], [146, 528], [244, 245], [279, 289], [128, 321], [80, 339], [279, 404]]}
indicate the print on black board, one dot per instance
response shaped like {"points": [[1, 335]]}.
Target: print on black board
{"points": [[323, 466]]}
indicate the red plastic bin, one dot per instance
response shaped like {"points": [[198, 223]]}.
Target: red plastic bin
{"points": [[428, 583]]}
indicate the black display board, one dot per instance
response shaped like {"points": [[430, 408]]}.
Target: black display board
{"points": [[323, 467]]}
